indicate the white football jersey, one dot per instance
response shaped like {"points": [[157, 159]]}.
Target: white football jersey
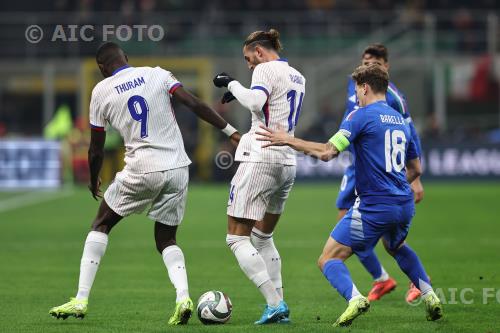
{"points": [[285, 89], [136, 102]]}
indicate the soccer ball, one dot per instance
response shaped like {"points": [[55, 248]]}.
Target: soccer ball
{"points": [[214, 307]]}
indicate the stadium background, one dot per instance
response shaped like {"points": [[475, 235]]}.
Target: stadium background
{"points": [[444, 55]]}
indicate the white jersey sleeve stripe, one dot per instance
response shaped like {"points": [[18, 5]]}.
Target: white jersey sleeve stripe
{"points": [[261, 88], [399, 99]]}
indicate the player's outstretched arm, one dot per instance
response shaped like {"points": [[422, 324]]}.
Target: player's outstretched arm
{"points": [[206, 113], [251, 99], [413, 170], [322, 151], [95, 158]]}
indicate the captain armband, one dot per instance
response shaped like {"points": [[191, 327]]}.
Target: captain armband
{"points": [[339, 141]]}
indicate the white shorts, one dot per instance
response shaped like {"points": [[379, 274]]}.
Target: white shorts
{"points": [[163, 192], [259, 188]]}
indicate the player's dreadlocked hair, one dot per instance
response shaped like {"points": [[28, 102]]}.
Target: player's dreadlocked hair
{"points": [[268, 39], [378, 51], [373, 75]]}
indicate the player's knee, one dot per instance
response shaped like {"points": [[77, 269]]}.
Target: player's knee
{"points": [[235, 241], [321, 262], [323, 258], [261, 240], [392, 251]]}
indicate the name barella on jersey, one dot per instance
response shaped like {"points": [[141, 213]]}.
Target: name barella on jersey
{"points": [[285, 89], [394, 98], [136, 102], [381, 143]]}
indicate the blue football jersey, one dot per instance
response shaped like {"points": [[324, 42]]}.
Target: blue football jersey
{"points": [[381, 143], [395, 99]]}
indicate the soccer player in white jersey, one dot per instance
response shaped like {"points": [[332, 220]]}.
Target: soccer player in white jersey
{"points": [[265, 177], [136, 101]]}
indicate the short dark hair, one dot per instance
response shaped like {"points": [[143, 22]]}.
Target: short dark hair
{"points": [[378, 51], [373, 75], [268, 39], [107, 53]]}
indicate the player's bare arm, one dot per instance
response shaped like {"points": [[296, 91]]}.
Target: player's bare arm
{"points": [[413, 170], [206, 113], [95, 158], [322, 151]]}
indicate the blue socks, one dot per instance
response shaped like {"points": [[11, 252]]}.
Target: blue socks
{"points": [[338, 275], [410, 264], [372, 264]]}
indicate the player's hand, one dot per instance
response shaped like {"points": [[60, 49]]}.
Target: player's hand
{"points": [[418, 190], [222, 80], [95, 190], [274, 138], [235, 138], [227, 97]]}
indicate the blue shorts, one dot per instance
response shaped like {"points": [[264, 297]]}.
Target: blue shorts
{"points": [[347, 193], [365, 224]]}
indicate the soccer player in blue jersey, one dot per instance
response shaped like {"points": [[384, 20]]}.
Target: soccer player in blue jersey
{"points": [[383, 283], [386, 163]]}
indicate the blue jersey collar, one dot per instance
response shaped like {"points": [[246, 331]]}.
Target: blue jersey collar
{"points": [[282, 59], [120, 69]]}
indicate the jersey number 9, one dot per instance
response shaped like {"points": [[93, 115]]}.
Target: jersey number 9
{"points": [[138, 103]]}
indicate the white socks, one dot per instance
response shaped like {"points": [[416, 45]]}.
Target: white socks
{"points": [[355, 292], [265, 245], [176, 267], [384, 276], [254, 267], [424, 287], [95, 246]]}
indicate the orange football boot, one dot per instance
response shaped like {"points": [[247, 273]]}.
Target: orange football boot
{"points": [[379, 289], [413, 293]]}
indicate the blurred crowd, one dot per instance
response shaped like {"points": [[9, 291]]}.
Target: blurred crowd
{"points": [[126, 6], [190, 21]]}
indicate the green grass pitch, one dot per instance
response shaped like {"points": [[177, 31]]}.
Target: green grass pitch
{"points": [[456, 233]]}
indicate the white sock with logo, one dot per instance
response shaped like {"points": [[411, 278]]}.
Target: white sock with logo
{"points": [[264, 243], [254, 267], [94, 249], [176, 267]]}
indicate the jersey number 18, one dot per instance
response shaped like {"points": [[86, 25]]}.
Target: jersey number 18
{"points": [[395, 144]]}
